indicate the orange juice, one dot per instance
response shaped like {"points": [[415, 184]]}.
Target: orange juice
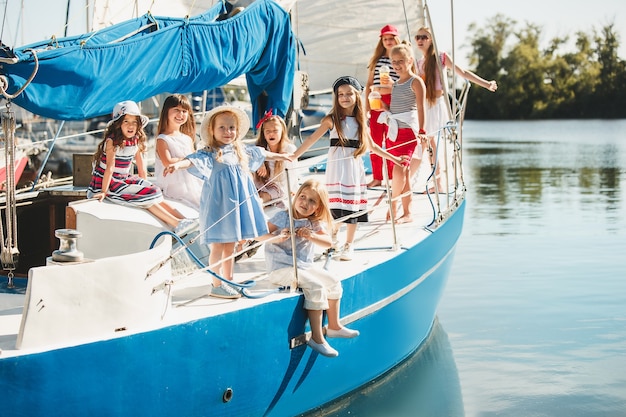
{"points": [[384, 75], [375, 100]]}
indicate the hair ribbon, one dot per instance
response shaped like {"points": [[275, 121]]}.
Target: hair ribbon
{"points": [[265, 118]]}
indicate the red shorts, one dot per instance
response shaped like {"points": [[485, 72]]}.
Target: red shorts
{"points": [[405, 143]]}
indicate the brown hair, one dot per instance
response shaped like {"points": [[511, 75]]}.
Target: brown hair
{"points": [[379, 51], [430, 69], [336, 115], [114, 132], [283, 142], [176, 100]]}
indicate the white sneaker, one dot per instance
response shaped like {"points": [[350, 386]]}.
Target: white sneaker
{"points": [[346, 252], [184, 226], [224, 291], [322, 348], [344, 332]]}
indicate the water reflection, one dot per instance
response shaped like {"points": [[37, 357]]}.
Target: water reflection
{"points": [[517, 169], [535, 301], [426, 384]]}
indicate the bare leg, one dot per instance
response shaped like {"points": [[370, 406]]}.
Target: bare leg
{"points": [[406, 199], [315, 320], [333, 315], [350, 232], [414, 167], [400, 184], [227, 266], [172, 210], [397, 184], [220, 251], [335, 329], [166, 217]]}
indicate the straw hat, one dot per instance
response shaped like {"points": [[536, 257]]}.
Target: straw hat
{"points": [[130, 108], [243, 121]]}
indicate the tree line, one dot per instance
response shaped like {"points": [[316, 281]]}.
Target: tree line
{"points": [[536, 83]]}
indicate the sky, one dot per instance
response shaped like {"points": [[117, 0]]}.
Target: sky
{"points": [[556, 17]]}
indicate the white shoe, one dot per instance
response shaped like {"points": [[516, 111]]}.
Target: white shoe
{"points": [[184, 226], [322, 348], [344, 332], [224, 291], [346, 252]]}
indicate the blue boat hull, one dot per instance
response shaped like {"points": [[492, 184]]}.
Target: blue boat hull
{"points": [[240, 363]]}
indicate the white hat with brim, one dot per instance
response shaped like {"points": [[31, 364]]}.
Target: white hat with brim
{"points": [[243, 121], [128, 107]]}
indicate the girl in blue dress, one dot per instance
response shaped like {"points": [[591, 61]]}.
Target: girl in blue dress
{"points": [[230, 207]]}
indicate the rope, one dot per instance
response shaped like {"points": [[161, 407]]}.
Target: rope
{"points": [[4, 84], [207, 268]]}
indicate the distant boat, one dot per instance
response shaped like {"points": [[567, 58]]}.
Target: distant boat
{"points": [[117, 320], [21, 162]]}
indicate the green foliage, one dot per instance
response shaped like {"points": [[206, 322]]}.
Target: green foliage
{"points": [[535, 83]]}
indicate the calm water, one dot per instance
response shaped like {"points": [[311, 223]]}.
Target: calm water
{"points": [[533, 320]]}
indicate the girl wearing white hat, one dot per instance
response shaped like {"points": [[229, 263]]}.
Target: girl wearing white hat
{"points": [[125, 141]]}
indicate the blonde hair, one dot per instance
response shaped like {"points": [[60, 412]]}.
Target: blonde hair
{"points": [[336, 115], [282, 147], [215, 146], [322, 213], [114, 132], [404, 49], [431, 70]]}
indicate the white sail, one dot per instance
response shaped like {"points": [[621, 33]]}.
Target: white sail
{"points": [[339, 37]]}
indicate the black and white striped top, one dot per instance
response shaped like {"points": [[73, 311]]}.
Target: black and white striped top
{"points": [[403, 100], [384, 60]]}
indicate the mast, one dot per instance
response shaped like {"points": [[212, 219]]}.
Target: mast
{"points": [[67, 17]]}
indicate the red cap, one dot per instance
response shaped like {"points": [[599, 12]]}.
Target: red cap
{"points": [[389, 30]]}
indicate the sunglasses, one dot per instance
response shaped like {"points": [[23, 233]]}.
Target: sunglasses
{"points": [[421, 37]]}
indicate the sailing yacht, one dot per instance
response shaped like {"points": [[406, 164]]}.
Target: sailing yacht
{"points": [[117, 320]]}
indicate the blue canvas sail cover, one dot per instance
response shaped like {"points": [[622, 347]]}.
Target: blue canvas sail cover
{"points": [[84, 76]]}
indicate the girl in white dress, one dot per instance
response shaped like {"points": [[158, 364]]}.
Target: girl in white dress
{"points": [[345, 173], [436, 108], [177, 132]]}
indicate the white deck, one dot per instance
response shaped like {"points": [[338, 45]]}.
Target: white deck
{"points": [[189, 298]]}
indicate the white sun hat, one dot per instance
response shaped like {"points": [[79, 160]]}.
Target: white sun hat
{"points": [[130, 108], [243, 121]]}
